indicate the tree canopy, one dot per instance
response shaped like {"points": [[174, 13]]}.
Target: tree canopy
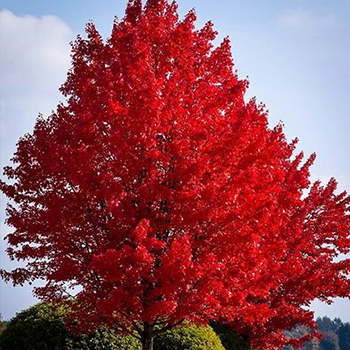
{"points": [[160, 194]]}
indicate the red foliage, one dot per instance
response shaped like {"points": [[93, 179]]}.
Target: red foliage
{"points": [[163, 195]]}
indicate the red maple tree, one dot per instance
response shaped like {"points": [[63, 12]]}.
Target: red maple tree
{"points": [[162, 195]]}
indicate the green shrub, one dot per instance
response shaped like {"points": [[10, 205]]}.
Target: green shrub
{"points": [[188, 337], [229, 339], [103, 339], [41, 327]]}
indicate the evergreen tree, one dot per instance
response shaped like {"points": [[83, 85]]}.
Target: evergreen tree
{"points": [[344, 336]]}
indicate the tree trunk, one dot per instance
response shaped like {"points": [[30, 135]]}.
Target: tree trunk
{"points": [[147, 337], [147, 343]]}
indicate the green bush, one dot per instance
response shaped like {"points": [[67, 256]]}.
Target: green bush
{"points": [[104, 339], [229, 339], [188, 337], [41, 327]]}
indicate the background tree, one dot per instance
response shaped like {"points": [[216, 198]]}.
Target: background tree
{"points": [[3, 324], [162, 195], [335, 333], [344, 336], [301, 331], [312, 344], [330, 341], [326, 324]]}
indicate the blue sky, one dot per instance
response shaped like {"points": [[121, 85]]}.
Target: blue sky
{"points": [[295, 52]]}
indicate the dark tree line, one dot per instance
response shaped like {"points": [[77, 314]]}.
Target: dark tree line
{"points": [[336, 335]]}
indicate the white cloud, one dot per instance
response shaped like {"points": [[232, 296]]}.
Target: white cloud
{"points": [[35, 57], [308, 23], [34, 62], [34, 50]]}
